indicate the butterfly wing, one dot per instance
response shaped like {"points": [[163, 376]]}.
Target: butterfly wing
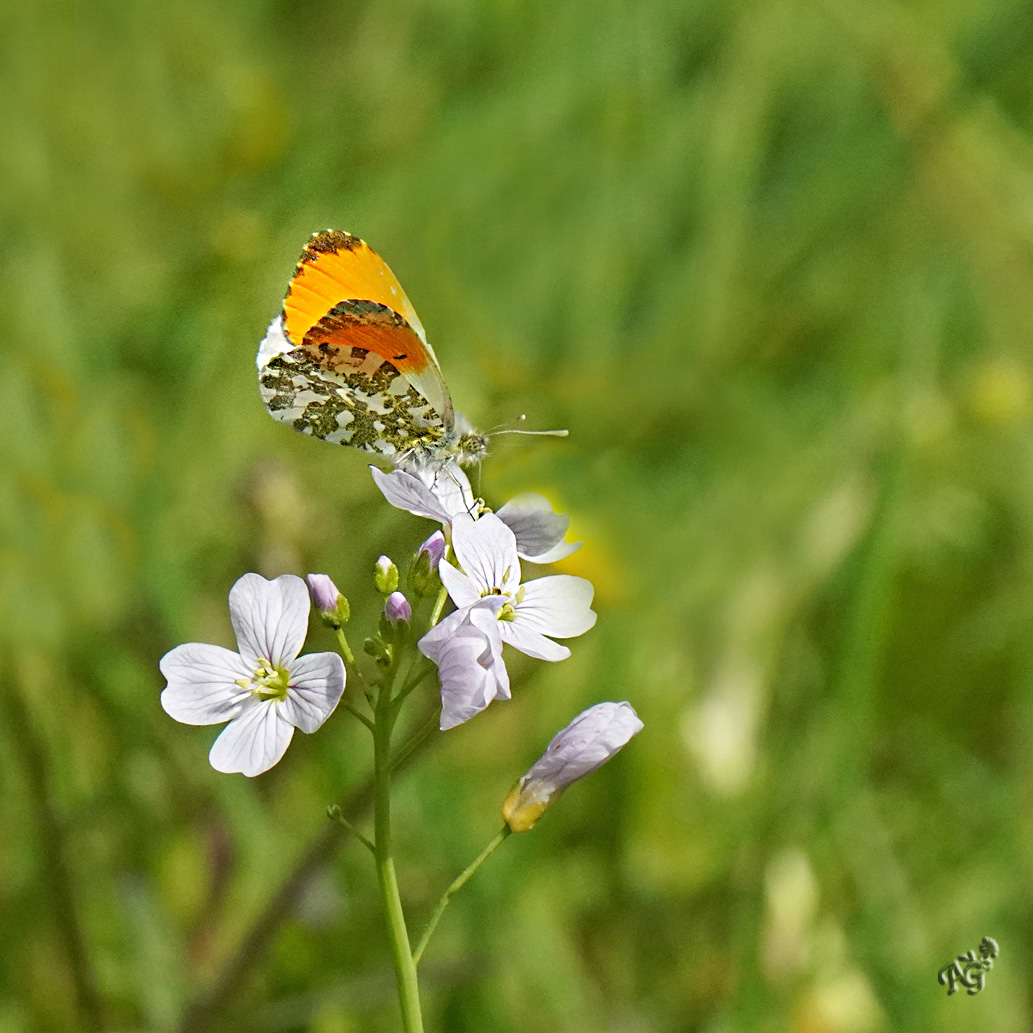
{"points": [[348, 360]]}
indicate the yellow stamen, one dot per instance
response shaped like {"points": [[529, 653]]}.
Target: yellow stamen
{"points": [[268, 681]]}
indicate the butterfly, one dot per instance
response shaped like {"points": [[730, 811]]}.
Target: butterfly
{"points": [[347, 360]]}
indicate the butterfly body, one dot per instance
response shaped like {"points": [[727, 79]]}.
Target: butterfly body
{"points": [[347, 360]]}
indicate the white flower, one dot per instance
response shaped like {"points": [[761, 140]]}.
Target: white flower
{"points": [[467, 648], [265, 690], [436, 492], [539, 530], [558, 606], [587, 743], [443, 493]]}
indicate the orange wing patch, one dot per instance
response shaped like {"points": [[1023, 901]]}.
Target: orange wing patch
{"points": [[371, 327], [336, 267]]}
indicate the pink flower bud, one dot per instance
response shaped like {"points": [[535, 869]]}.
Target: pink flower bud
{"points": [[324, 592], [434, 549], [397, 609], [385, 575], [587, 743]]}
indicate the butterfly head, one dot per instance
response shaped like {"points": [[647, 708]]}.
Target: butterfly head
{"points": [[471, 446]]}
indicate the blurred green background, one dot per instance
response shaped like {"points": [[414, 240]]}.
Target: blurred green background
{"points": [[771, 263]]}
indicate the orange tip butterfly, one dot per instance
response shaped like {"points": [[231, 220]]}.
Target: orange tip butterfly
{"points": [[347, 361]]}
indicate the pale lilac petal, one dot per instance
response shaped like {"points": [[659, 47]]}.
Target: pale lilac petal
{"points": [[461, 589], [406, 491], [486, 550], [467, 687], [538, 529], [438, 493], [452, 489], [467, 649], [558, 552], [201, 683], [270, 618], [484, 617], [559, 605], [316, 684], [590, 740], [254, 741], [531, 642]]}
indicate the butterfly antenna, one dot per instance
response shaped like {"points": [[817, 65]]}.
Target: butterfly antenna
{"points": [[503, 429], [534, 433]]}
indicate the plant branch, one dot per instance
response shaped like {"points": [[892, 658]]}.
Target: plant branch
{"points": [[333, 812], [460, 882], [426, 728], [205, 1011], [397, 934]]}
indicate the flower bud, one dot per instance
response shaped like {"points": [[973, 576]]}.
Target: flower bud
{"points": [[434, 549], [385, 575], [423, 574], [397, 608], [377, 648], [332, 607], [587, 743]]}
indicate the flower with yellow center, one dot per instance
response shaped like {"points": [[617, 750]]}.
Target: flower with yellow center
{"points": [[532, 614], [265, 690]]}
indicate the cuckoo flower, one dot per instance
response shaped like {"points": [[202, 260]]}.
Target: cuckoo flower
{"points": [[587, 743], [539, 530], [558, 606], [467, 648], [264, 690], [436, 492], [443, 493]]}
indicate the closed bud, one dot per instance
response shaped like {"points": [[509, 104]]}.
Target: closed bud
{"points": [[434, 549], [587, 743], [394, 620], [385, 576], [377, 648], [332, 607], [423, 574], [397, 608]]}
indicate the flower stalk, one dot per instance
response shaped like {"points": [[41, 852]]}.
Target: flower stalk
{"points": [[398, 935], [460, 881], [267, 690]]}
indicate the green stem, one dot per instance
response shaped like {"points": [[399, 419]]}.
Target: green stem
{"points": [[439, 603], [346, 651], [425, 668], [456, 886], [333, 812], [398, 935], [355, 678], [354, 710], [429, 725]]}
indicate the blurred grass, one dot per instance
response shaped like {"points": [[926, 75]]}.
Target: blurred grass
{"points": [[771, 264]]}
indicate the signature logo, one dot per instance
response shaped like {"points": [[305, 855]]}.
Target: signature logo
{"points": [[968, 970]]}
